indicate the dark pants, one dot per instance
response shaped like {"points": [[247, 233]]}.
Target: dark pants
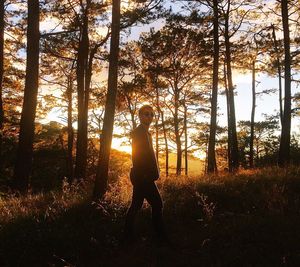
{"points": [[145, 190]]}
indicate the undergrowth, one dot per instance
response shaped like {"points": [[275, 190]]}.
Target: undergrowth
{"points": [[42, 205], [249, 218]]}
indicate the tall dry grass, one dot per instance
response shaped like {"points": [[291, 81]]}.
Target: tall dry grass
{"points": [[42, 205], [270, 188]]}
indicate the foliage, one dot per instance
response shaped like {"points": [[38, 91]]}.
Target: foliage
{"points": [[266, 142]]}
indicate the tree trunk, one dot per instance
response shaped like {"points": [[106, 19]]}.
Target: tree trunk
{"points": [[185, 142], [211, 162], [131, 111], [156, 122], [279, 73], [156, 137], [166, 143], [81, 72], [284, 149], [2, 24], [177, 134], [252, 115], [70, 131], [87, 88], [206, 153], [107, 130], [232, 121], [228, 119], [25, 149], [133, 119]]}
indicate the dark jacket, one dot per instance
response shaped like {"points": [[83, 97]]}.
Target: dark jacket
{"points": [[144, 163]]}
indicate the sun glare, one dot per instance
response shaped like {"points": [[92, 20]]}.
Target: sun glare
{"points": [[244, 78], [117, 144], [200, 154], [125, 5], [53, 115]]}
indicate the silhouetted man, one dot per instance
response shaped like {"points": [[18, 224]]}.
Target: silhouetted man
{"points": [[143, 174]]}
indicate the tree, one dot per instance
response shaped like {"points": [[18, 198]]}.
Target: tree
{"points": [[12, 83], [132, 83], [284, 149], [232, 16], [211, 164], [69, 93], [232, 136], [278, 64], [257, 45], [2, 24], [80, 41], [106, 136], [25, 147], [258, 48], [266, 143], [83, 94]]}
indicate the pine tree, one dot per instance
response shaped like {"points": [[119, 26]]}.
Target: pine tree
{"points": [[25, 148]]}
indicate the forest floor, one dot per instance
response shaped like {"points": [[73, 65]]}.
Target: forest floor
{"points": [[248, 219]]}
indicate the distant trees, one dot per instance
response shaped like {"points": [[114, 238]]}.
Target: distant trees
{"points": [[265, 142], [180, 68], [132, 84], [233, 18]]}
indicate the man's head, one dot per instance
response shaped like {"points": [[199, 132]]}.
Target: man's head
{"points": [[146, 115]]}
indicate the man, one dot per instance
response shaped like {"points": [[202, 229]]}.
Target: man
{"points": [[143, 174]]}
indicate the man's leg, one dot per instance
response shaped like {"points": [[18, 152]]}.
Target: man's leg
{"points": [[136, 204], [153, 197]]}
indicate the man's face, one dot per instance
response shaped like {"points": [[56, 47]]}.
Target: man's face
{"points": [[146, 116]]}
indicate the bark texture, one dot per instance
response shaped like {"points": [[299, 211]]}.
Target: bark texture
{"points": [[25, 148]]}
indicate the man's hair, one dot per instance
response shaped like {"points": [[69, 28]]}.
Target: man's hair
{"points": [[141, 110]]}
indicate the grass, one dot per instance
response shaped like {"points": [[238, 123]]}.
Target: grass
{"points": [[247, 219]]}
